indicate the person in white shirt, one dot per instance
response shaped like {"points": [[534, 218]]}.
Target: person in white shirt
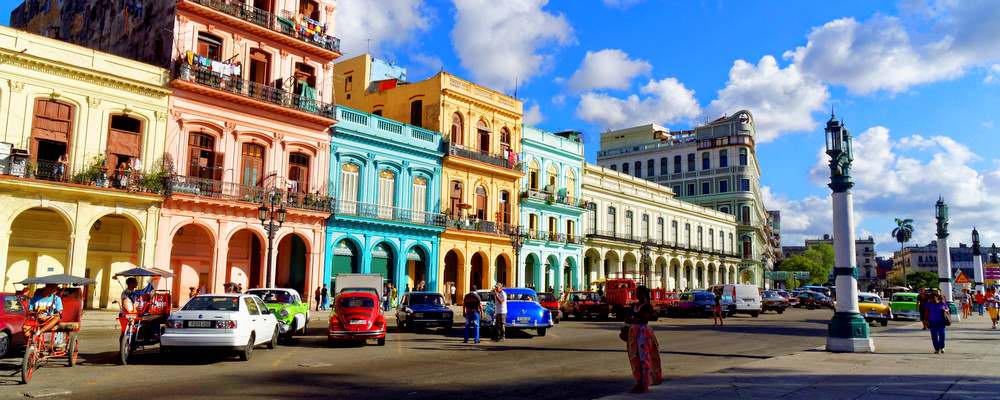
{"points": [[453, 299], [499, 313]]}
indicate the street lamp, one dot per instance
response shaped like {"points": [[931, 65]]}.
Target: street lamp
{"points": [[977, 262], [646, 261], [271, 214], [517, 241], [848, 330], [943, 255]]}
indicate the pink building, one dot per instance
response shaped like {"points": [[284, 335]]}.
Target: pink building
{"points": [[249, 122]]}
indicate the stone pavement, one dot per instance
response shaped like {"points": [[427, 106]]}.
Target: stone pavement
{"points": [[904, 366]]}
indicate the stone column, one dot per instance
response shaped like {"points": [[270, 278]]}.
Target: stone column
{"points": [[5, 234], [977, 262], [943, 255]]}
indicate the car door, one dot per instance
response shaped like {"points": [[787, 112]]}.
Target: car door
{"points": [[253, 312], [268, 322]]}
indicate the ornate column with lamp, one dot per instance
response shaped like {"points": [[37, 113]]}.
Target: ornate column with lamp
{"points": [[271, 214], [848, 330], [646, 264], [943, 255], [977, 262], [517, 241]]}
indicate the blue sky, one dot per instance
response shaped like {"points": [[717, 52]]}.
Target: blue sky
{"points": [[918, 82]]}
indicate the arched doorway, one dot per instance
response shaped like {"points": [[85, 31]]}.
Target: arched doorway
{"points": [[346, 259], [687, 283], [569, 275], [612, 265], [503, 271], [191, 260], [384, 263], [551, 274], [699, 281], [661, 272], [746, 277], [630, 265], [675, 275], [477, 273], [591, 267], [293, 262], [452, 262], [416, 267], [114, 246], [531, 271], [245, 262], [713, 272], [39, 245]]}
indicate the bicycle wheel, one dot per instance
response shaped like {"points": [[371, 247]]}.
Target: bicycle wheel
{"points": [[125, 347], [28, 364]]}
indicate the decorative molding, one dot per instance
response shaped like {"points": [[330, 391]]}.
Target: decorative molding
{"points": [[100, 78], [283, 52], [160, 115], [93, 101], [237, 37], [230, 127], [15, 86]]}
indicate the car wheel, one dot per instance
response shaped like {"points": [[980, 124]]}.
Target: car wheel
{"points": [[271, 344], [448, 327], [402, 326], [884, 322], [247, 351], [381, 341], [604, 317], [4, 344], [781, 311], [755, 314], [541, 331]]}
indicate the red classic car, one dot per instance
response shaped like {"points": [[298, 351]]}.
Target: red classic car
{"points": [[662, 299], [11, 322], [550, 302], [584, 304], [357, 317]]}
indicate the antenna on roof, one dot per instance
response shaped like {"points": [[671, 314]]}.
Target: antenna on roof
{"points": [[515, 86], [369, 45]]}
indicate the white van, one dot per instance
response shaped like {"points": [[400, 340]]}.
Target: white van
{"points": [[746, 297]]}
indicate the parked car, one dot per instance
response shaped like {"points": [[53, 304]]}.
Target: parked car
{"points": [[660, 299], [620, 295], [11, 323], [813, 300], [287, 306], [584, 304], [235, 321], [746, 297], [698, 304], [357, 317], [423, 309], [873, 309], [523, 310], [904, 306], [551, 303], [826, 291], [773, 301]]}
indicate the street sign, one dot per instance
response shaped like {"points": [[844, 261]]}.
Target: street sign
{"points": [[991, 271], [801, 275], [962, 279]]}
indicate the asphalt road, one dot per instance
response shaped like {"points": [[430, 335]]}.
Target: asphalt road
{"points": [[577, 359]]}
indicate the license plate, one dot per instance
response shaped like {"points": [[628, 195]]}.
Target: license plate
{"points": [[418, 315], [358, 322], [748, 300], [199, 324], [524, 320]]}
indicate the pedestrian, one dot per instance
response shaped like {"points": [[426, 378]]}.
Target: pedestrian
{"points": [[452, 288], [993, 307], [499, 313], [642, 346], [472, 310], [324, 297], [60, 170], [980, 301], [239, 288], [422, 286], [192, 291], [938, 319], [717, 311], [318, 295], [395, 295], [966, 303]]}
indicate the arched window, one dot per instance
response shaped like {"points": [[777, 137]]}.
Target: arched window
{"points": [[504, 208], [674, 233], [628, 223], [747, 248], [481, 199], [687, 233], [124, 141], [349, 188], [570, 183], [455, 199], [711, 239], [252, 164], [677, 164], [722, 241], [298, 172], [386, 193], [645, 227], [551, 178], [664, 166], [483, 136], [661, 229], [533, 171], [203, 160], [504, 141], [611, 220], [701, 238], [419, 197], [457, 128]]}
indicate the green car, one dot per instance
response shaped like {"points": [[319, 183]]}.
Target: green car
{"points": [[904, 305], [286, 304]]}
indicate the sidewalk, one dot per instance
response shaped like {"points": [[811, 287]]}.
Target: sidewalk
{"points": [[903, 367]]}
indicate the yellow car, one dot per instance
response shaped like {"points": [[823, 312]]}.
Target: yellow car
{"points": [[873, 309]]}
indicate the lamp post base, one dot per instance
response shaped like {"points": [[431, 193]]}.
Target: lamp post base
{"points": [[848, 333]]}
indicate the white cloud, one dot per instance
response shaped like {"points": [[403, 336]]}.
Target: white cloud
{"points": [[533, 114], [781, 99], [992, 74], [665, 101], [386, 23], [808, 217], [621, 3], [424, 65], [500, 42], [987, 124], [607, 69]]}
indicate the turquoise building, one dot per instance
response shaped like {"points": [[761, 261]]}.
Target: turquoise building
{"points": [[551, 210], [385, 177]]}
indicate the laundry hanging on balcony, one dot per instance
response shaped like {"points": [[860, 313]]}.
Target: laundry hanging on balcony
{"points": [[308, 93], [218, 67]]}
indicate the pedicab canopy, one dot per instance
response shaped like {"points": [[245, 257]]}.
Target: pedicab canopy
{"points": [[59, 279], [145, 272]]}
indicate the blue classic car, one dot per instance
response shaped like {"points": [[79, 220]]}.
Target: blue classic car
{"points": [[523, 310], [423, 309]]}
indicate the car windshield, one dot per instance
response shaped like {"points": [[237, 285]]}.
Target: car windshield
{"points": [[212, 303], [869, 299], [357, 301], [546, 297], [521, 297], [902, 298], [585, 297], [432, 299], [273, 296]]}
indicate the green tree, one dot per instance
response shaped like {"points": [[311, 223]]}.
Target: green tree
{"points": [[817, 260], [923, 279], [903, 232]]}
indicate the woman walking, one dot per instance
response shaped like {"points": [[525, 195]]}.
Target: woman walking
{"points": [[643, 349], [993, 307], [938, 319], [717, 311]]}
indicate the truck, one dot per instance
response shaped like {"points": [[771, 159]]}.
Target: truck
{"points": [[620, 295], [372, 283]]}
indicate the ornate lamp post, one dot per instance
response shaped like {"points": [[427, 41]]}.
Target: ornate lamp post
{"points": [[646, 267], [848, 331], [977, 262], [517, 241], [943, 255], [271, 214]]}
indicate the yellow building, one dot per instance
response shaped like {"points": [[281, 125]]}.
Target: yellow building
{"points": [[480, 171], [74, 118]]}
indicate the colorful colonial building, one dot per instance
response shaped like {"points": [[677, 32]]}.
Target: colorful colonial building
{"points": [[551, 210], [80, 162], [480, 171], [386, 178], [249, 123]]}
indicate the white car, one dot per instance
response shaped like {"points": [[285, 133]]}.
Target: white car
{"points": [[230, 321]]}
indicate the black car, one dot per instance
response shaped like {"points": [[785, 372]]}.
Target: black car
{"points": [[772, 301], [423, 309]]}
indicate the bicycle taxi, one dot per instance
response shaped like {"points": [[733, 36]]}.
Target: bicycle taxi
{"points": [[49, 333], [143, 311]]}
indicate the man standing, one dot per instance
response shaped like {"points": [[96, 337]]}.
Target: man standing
{"points": [[318, 295], [325, 297], [499, 313], [472, 309]]}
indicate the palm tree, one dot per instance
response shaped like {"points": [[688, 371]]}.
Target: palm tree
{"points": [[903, 232]]}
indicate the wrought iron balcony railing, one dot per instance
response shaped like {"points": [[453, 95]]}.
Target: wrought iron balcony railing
{"points": [[94, 175], [289, 24], [666, 244], [499, 160], [388, 213], [232, 191], [551, 198], [481, 225], [234, 84]]}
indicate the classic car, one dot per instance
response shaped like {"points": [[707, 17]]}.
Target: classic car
{"points": [[235, 321], [584, 304], [356, 317], [287, 306], [660, 299], [523, 310], [873, 309], [551, 303], [11, 322], [904, 305], [698, 303], [814, 300], [423, 309], [773, 301]]}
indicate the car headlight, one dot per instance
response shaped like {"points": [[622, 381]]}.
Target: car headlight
{"points": [[283, 313]]}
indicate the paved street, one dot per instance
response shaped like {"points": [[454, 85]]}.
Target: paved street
{"points": [[578, 359]]}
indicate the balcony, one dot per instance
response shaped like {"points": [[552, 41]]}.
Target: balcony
{"points": [[480, 225], [509, 162], [387, 213], [94, 175], [231, 87], [553, 198], [662, 244], [230, 191], [290, 28]]}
